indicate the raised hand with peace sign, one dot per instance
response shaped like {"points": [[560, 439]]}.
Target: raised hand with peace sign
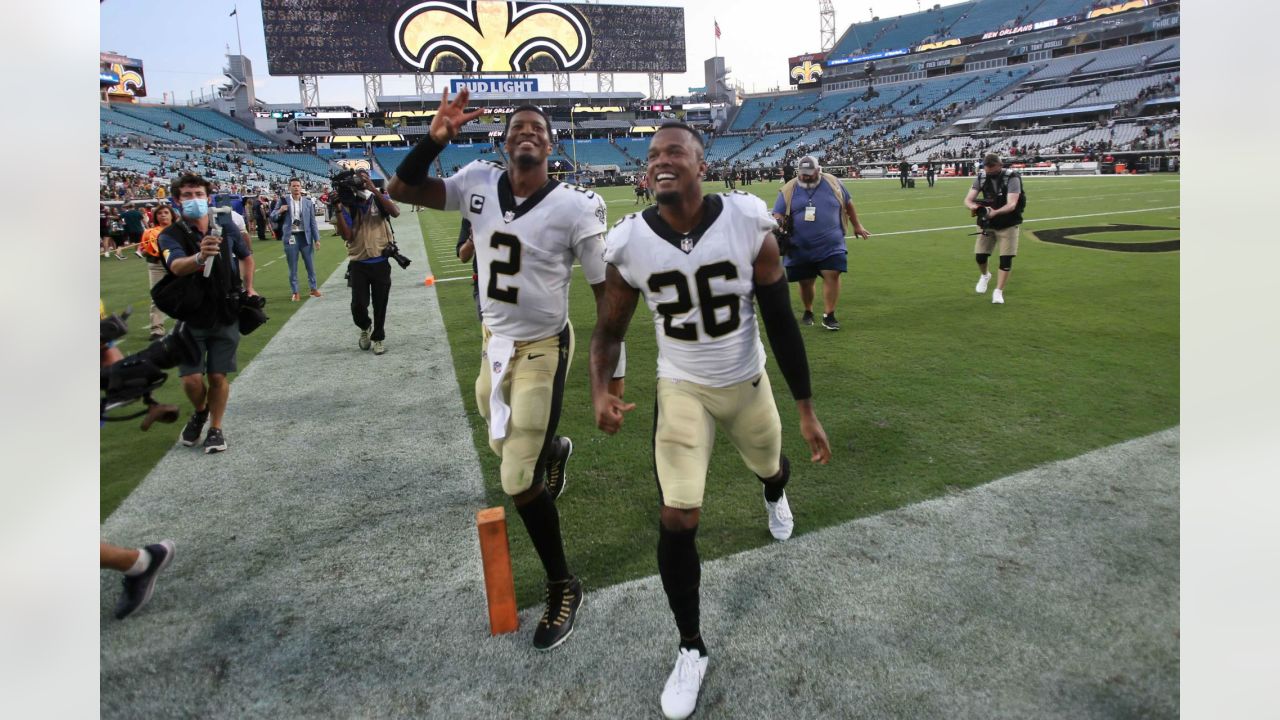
{"points": [[451, 116]]}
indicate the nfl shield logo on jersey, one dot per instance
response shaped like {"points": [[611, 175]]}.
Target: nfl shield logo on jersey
{"points": [[686, 245], [497, 367]]}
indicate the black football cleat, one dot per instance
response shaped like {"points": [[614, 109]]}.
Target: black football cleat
{"points": [[561, 449], [563, 600], [138, 589]]}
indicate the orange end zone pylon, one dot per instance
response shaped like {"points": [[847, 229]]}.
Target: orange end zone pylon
{"points": [[499, 587]]}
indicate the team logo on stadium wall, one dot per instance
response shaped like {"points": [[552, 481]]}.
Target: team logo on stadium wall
{"points": [[127, 78], [806, 69], [806, 73], [492, 36]]}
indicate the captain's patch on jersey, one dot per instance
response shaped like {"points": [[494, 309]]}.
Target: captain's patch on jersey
{"points": [[477, 203]]}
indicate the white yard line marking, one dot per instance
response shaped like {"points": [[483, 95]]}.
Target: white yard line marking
{"points": [[1060, 217]]}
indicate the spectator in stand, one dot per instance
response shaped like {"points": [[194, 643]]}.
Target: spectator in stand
{"points": [[303, 235], [115, 235], [259, 213], [150, 249]]}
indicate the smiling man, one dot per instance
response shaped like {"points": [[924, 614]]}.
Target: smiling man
{"points": [[527, 229], [700, 261]]}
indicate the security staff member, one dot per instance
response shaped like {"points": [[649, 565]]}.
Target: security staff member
{"points": [[1004, 201], [904, 171], [815, 205], [367, 234]]}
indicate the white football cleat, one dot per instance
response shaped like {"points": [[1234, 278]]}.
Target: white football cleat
{"points": [[781, 523], [680, 694], [997, 297], [982, 283]]}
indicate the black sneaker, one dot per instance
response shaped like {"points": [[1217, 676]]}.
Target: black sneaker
{"points": [[561, 449], [137, 589], [563, 600], [830, 322], [214, 441], [807, 318], [191, 433]]}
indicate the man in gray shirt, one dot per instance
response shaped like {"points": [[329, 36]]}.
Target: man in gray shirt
{"points": [[1002, 204]]}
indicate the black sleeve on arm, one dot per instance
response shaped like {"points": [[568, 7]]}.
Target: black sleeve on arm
{"points": [[464, 234], [784, 336], [413, 169]]}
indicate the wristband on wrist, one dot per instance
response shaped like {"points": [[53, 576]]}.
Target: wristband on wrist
{"points": [[413, 169], [200, 261]]}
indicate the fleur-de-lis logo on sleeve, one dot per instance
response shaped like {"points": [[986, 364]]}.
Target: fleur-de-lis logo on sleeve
{"points": [[127, 78], [807, 72], [491, 35]]}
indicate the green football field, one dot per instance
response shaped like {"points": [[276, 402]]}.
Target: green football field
{"points": [[929, 388]]}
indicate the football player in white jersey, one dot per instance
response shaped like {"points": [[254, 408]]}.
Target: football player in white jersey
{"points": [[700, 262], [527, 229]]}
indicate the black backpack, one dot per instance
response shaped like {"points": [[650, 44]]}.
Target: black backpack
{"points": [[1000, 192]]}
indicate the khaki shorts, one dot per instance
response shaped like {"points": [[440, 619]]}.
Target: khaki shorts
{"points": [[534, 388], [1007, 239], [685, 430]]}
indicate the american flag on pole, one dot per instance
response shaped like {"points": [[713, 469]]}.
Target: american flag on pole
{"points": [[717, 22]]}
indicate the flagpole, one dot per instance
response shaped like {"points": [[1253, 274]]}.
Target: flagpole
{"points": [[717, 23], [239, 45]]}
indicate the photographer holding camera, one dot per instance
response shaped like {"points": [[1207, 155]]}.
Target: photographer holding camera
{"points": [[190, 246], [999, 218], [363, 219]]}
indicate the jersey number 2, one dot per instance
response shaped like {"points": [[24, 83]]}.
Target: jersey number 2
{"points": [[510, 266], [707, 302]]}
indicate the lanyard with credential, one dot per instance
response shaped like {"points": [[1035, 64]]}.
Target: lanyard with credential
{"points": [[810, 212]]}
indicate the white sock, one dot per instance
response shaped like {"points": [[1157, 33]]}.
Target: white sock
{"points": [[140, 565]]}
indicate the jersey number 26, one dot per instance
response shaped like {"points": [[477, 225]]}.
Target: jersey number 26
{"points": [[708, 303]]}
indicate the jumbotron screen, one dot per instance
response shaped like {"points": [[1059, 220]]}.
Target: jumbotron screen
{"points": [[121, 75], [337, 37]]}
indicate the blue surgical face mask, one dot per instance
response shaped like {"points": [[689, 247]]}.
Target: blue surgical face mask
{"points": [[195, 209]]}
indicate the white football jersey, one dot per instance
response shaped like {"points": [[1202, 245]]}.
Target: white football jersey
{"points": [[525, 250], [700, 286]]}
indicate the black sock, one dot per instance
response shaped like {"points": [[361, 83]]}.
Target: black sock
{"points": [[681, 572], [543, 523], [773, 488], [694, 644]]}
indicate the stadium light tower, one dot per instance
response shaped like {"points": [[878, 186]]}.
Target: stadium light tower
{"points": [[372, 89], [309, 90], [826, 25], [424, 84], [655, 86], [604, 82], [560, 81]]}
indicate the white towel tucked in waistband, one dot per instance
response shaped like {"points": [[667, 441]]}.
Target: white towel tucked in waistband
{"points": [[498, 354]]}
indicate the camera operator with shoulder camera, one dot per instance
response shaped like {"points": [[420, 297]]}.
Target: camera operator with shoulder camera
{"points": [[999, 218], [216, 250], [363, 221], [123, 381]]}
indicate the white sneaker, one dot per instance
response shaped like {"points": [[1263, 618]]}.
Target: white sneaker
{"points": [[680, 694], [982, 283], [997, 297], [781, 523]]}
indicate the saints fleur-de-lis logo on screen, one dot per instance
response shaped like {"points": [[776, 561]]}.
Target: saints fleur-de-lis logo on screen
{"points": [[807, 73], [492, 35], [127, 78]]}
